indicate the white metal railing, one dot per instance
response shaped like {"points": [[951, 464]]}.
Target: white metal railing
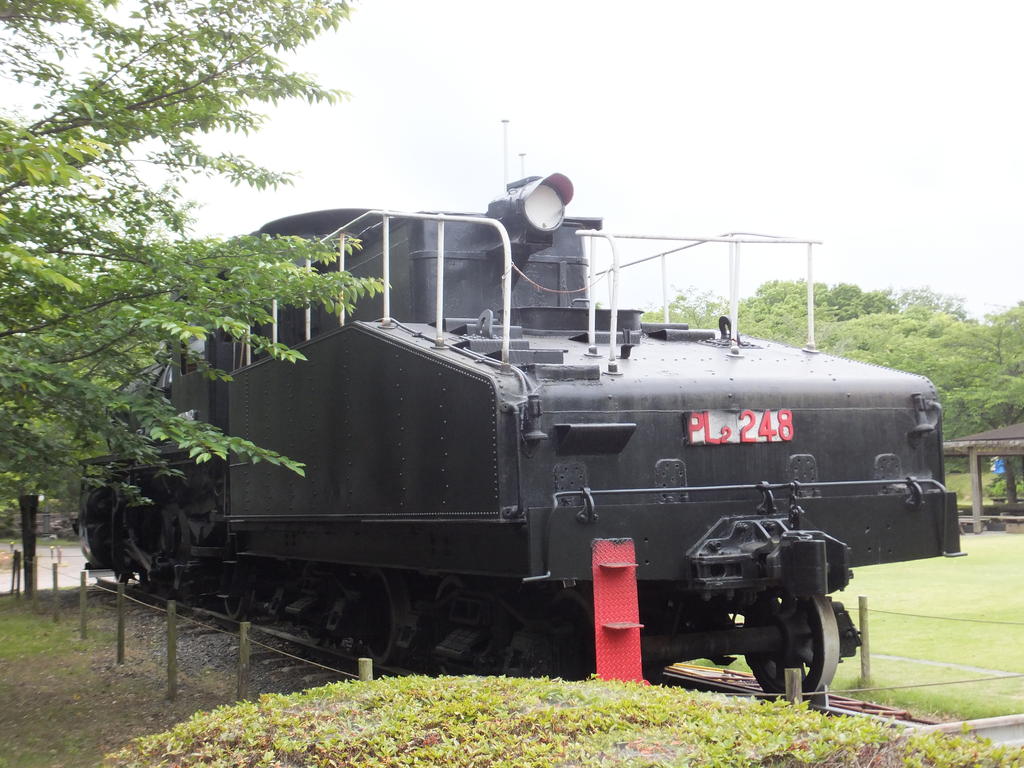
{"points": [[308, 315], [386, 321], [734, 239]]}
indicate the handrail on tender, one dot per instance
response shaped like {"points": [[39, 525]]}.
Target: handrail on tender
{"points": [[440, 218], [734, 240]]}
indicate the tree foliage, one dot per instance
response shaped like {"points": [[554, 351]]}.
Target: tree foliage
{"points": [[978, 366], [99, 276]]}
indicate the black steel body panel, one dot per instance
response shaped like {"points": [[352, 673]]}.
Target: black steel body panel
{"points": [[845, 415], [385, 430], [453, 546], [413, 431], [195, 393]]}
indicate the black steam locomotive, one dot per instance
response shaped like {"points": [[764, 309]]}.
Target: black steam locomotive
{"points": [[460, 463]]}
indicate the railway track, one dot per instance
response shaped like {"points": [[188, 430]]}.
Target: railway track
{"points": [[736, 683], [1007, 730], [304, 652]]}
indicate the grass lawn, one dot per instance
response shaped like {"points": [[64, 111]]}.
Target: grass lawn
{"points": [[986, 586], [65, 703]]}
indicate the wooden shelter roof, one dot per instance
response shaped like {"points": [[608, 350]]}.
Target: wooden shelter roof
{"points": [[995, 442]]}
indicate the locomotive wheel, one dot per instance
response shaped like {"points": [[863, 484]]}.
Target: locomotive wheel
{"points": [[238, 605], [387, 601], [96, 525], [810, 642]]}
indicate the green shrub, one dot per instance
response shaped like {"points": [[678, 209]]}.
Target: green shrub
{"points": [[506, 723]]}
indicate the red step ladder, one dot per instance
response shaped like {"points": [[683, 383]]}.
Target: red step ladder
{"points": [[616, 611]]}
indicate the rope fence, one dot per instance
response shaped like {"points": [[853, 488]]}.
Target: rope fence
{"points": [[950, 618], [907, 686], [864, 610], [865, 651], [1007, 676], [304, 661], [242, 636]]}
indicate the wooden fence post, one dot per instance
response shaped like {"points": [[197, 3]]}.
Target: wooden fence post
{"points": [[794, 686], [120, 623], [56, 594], [172, 650], [33, 568], [82, 604], [865, 642], [243, 661], [16, 575], [365, 669]]}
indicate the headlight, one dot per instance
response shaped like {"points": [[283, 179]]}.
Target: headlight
{"points": [[533, 208]]}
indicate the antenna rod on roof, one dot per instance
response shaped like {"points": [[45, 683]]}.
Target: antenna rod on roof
{"points": [[504, 153]]}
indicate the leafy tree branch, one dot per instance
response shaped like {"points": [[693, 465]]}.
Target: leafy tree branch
{"points": [[101, 277]]}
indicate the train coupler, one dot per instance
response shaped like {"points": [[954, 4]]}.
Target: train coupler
{"points": [[757, 553]]}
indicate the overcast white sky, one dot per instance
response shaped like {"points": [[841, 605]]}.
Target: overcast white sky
{"points": [[892, 131]]}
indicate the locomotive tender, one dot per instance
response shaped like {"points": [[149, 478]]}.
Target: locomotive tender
{"points": [[470, 432]]}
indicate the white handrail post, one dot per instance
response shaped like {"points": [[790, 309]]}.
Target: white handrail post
{"points": [[664, 288], [506, 294], [810, 299], [613, 365], [439, 297], [341, 268], [734, 298], [309, 312], [386, 270], [273, 322], [386, 216], [591, 302]]}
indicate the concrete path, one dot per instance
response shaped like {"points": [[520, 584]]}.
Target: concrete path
{"points": [[69, 561]]}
